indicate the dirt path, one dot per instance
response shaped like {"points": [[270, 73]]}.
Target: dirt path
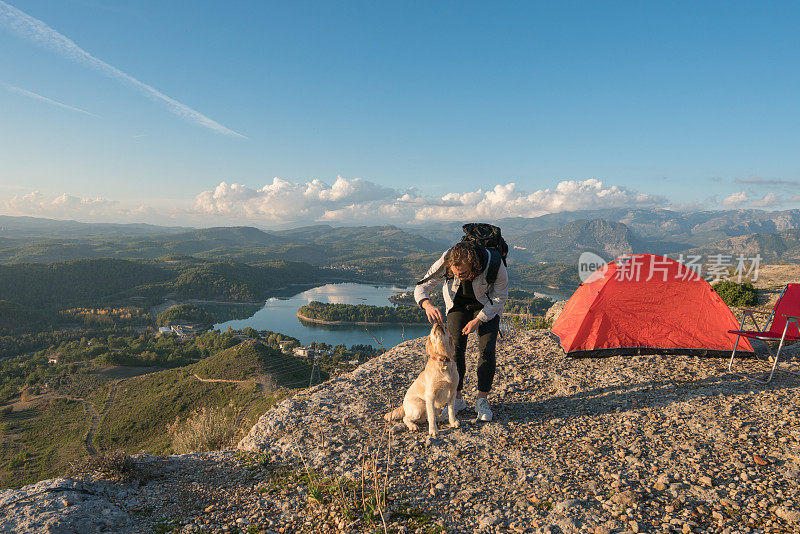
{"points": [[109, 401], [111, 394], [220, 380], [93, 419], [87, 442]]}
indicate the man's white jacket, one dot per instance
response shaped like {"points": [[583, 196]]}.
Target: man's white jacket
{"points": [[493, 297]]}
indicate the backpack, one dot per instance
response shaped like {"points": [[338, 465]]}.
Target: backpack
{"points": [[489, 237]]}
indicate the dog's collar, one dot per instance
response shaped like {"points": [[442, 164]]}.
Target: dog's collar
{"points": [[445, 360]]}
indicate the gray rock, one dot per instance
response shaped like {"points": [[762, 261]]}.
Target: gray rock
{"points": [[555, 310], [791, 516]]}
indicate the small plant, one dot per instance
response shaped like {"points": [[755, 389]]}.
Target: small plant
{"points": [[315, 492], [142, 512], [733, 513], [417, 519], [165, 526]]}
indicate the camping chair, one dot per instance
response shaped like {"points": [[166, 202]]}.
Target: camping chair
{"points": [[784, 325]]}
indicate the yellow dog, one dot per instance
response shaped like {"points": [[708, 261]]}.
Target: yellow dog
{"points": [[434, 388]]}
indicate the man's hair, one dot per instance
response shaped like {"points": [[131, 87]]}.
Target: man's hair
{"points": [[462, 254]]}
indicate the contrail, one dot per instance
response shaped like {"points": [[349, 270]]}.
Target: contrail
{"points": [[40, 33], [41, 98]]}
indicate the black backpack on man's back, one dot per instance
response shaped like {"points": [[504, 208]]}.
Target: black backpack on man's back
{"points": [[486, 236], [489, 237]]}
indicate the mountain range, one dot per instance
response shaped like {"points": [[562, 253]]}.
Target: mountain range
{"points": [[561, 237], [687, 228], [556, 237]]}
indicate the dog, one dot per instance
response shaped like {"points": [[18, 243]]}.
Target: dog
{"points": [[434, 388]]}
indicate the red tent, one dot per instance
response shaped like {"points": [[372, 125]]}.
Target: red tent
{"points": [[646, 303]]}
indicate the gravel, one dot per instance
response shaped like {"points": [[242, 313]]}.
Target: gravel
{"points": [[621, 444]]}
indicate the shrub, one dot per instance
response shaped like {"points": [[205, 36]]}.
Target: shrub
{"points": [[734, 294], [18, 460], [208, 429], [116, 466], [7, 392], [524, 322]]}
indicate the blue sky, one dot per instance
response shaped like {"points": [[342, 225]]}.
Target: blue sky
{"points": [[275, 112]]}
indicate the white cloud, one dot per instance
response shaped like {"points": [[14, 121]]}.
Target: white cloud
{"points": [[38, 204], [283, 203], [735, 199], [507, 201], [770, 199], [767, 201], [357, 200], [283, 200], [40, 33]]}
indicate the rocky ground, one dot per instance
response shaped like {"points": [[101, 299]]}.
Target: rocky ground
{"points": [[622, 444], [776, 276]]}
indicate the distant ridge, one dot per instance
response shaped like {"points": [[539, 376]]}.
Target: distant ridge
{"points": [[687, 228], [27, 227], [556, 237], [773, 247]]}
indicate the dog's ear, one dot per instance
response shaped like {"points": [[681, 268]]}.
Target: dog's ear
{"points": [[428, 345]]}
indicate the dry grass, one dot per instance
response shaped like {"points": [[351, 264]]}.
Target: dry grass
{"points": [[207, 429], [358, 501]]}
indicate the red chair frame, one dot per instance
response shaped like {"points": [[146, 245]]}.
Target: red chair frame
{"points": [[785, 313]]}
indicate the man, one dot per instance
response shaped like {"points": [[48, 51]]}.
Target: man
{"points": [[471, 304]]}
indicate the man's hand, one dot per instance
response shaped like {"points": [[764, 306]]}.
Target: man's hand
{"points": [[471, 326], [433, 313]]}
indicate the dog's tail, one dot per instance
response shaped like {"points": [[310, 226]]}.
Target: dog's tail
{"points": [[396, 414]]}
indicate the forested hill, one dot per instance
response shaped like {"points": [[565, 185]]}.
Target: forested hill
{"points": [[38, 227], [320, 245], [361, 313], [104, 281], [76, 283]]}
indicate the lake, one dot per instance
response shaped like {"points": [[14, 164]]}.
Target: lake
{"points": [[278, 315]]}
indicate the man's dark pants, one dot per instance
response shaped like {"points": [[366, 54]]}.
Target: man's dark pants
{"points": [[457, 318]]}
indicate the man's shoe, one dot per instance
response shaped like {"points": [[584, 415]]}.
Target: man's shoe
{"points": [[484, 412], [460, 404]]}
